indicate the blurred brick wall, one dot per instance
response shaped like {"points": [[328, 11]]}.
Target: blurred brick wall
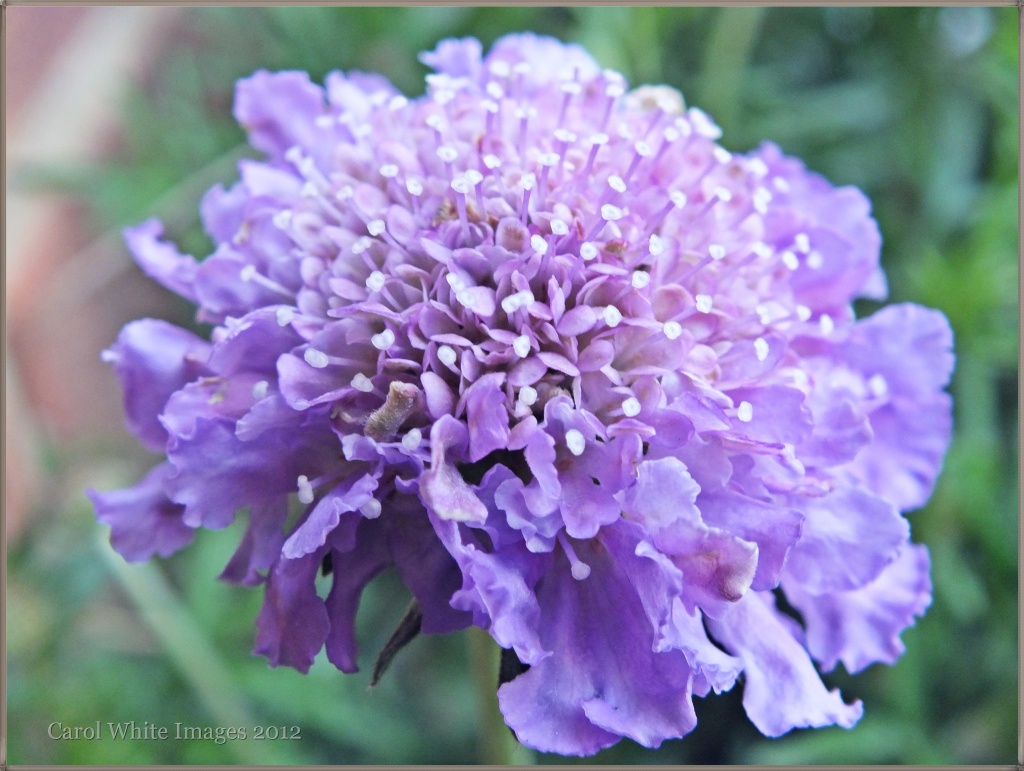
{"points": [[68, 290]]}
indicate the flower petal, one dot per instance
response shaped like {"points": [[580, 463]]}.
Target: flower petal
{"points": [[781, 689], [143, 521], [863, 626]]}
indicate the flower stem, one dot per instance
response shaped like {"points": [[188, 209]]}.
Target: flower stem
{"points": [[497, 745]]}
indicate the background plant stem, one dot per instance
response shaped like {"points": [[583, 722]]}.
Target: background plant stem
{"points": [[497, 745]]}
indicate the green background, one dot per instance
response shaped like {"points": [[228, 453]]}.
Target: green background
{"points": [[917, 106]]}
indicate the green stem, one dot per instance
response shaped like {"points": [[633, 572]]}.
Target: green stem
{"points": [[193, 655], [725, 63], [497, 745]]}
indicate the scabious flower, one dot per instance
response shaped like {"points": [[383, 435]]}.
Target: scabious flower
{"points": [[587, 379]]}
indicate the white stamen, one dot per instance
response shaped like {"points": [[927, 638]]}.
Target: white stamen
{"points": [[575, 441], [529, 181], [745, 412], [564, 135], [389, 171], [492, 161], [259, 389], [344, 193], [641, 278], [362, 383], [704, 303], [495, 90], [790, 260], [521, 346], [878, 385], [539, 244], [631, 407], [803, 312], [672, 329], [757, 167], [461, 185], [309, 190], [412, 439], [362, 244], [305, 489], [722, 155], [826, 323], [643, 149], [473, 177], [723, 194], [414, 186], [528, 395], [588, 251], [514, 302], [781, 184], [316, 358], [655, 245], [383, 340], [717, 251], [500, 69], [284, 316], [761, 249], [580, 570], [559, 227], [371, 509], [612, 316], [802, 243], [283, 219], [678, 198], [549, 159], [375, 281], [611, 213], [447, 355], [466, 298], [761, 348], [571, 88], [397, 103], [447, 154], [815, 260], [375, 227], [615, 183], [761, 200], [247, 273]]}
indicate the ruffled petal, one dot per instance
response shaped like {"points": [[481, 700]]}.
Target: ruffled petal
{"points": [[153, 359], [261, 544], [848, 538], [603, 680], [781, 690], [143, 521], [161, 260], [349, 495], [217, 473], [775, 529], [293, 622], [278, 110], [863, 626], [442, 487]]}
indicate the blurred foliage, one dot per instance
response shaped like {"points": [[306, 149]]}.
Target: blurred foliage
{"points": [[917, 106]]}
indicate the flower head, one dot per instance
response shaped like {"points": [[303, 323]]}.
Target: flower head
{"points": [[586, 378]]}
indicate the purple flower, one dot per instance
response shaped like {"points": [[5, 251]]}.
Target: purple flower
{"points": [[587, 379]]}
